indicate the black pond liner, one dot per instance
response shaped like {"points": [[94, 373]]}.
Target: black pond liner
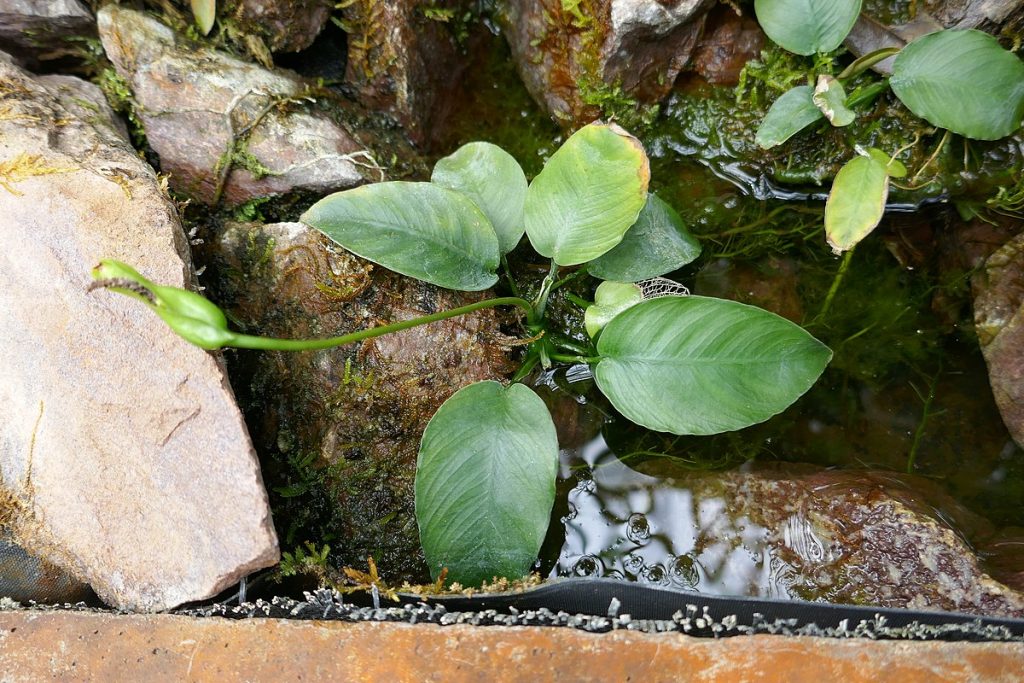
{"points": [[604, 605]]}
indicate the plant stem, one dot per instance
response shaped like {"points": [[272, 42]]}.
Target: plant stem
{"points": [[570, 277], [540, 304], [836, 281], [508, 275], [561, 358], [925, 414], [245, 341], [867, 61]]}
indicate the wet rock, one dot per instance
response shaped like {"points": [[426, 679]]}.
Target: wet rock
{"points": [[403, 57], [573, 57], [123, 457], [730, 40], [223, 128], [37, 31], [357, 411], [284, 25], [999, 322], [869, 538]]}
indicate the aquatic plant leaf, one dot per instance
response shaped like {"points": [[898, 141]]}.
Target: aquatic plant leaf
{"points": [[856, 203], [656, 244], [830, 98], [205, 13], [421, 230], [485, 483], [610, 299], [697, 365], [894, 168], [807, 26], [493, 179], [588, 195], [791, 113], [962, 80]]}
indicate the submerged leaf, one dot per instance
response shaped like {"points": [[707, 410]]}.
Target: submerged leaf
{"points": [[421, 230], [830, 98], [485, 483], [489, 176], [588, 195], [807, 26], [658, 243], [963, 81], [696, 365], [856, 203], [791, 113]]}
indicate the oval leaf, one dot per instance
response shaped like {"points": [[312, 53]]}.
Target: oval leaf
{"points": [[421, 230], [588, 195], [493, 179], [696, 365], [807, 26], [961, 80], [485, 483], [610, 299], [658, 243], [830, 98], [791, 113], [856, 203], [205, 13]]}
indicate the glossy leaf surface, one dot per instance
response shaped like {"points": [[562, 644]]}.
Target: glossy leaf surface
{"points": [[696, 365], [588, 195], [961, 80], [791, 113], [610, 299], [856, 203], [421, 230], [807, 26], [658, 243], [489, 176], [485, 482]]}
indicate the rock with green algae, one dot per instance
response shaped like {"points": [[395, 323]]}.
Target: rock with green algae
{"points": [[357, 412]]}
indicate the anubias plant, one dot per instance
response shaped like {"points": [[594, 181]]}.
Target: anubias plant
{"points": [[959, 80], [485, 478]]}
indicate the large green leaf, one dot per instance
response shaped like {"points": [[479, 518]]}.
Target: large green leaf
{"points": [[658, 243], [489, 176], [696, 365], [421, 230], [807, 26], [588, 195], [485, 482], [961, 80], [856, 203], [791, 113]]}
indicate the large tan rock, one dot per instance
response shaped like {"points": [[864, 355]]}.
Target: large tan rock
{"points": [[224, 128], [123, 456]]}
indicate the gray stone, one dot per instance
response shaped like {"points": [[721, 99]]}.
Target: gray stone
{"points": [[201, 108], [37, 30], [285, 25], [87, 102], [123, 457], [568, 57]]}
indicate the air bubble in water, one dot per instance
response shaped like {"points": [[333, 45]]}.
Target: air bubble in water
{"points": [[638, 529]]}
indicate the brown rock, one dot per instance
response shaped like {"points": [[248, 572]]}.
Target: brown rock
{"points": [[124, 458], [772, 284], [844, 537], [730, 40], [285, 25], [82, 646], [359, 409], [999, 322], [573, 55], [201, 108], [37, 31]]}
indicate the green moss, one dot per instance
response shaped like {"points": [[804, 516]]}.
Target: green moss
{"points": [[121, 99]]}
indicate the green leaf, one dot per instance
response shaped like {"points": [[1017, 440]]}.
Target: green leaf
{"points": [[961, 80], [421, 230], [790, 114], [807, 26], [856, 203], [485, 482], [588, 195], [830, 98], [493, 179], [696, 365], [658, 243], [610, 299], [893, 167], [205, 13]]}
